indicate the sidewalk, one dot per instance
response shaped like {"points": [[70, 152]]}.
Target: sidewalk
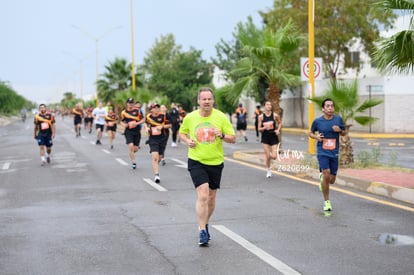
{"points": [[398, 185]]}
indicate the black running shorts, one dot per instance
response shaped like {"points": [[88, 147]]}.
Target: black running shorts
{"points": [[134, 137], [202, 173], [157, 144], [270, 138]]}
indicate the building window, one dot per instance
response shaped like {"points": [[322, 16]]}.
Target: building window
{"points": [[352, 59]]}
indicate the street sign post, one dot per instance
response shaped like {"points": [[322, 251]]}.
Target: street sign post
{"points": [[304, 68]]}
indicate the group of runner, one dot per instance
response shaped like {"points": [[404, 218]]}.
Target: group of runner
{"points": [[204, 131], [156, 124], [326, 130]]}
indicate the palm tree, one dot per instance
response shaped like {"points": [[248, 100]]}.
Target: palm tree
{"points": [[116, 78], [396, 53], [347, 105], [68, 101], [268, 57]]}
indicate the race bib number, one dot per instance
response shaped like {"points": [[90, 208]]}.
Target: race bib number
{"points": [[329, 144], [131, 124], [268, 125], [44, 126], [155, 131]]}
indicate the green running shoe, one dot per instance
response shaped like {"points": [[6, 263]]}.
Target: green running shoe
{"points": [[327, 206]]}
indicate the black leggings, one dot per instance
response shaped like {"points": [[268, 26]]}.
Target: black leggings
{"points": [[256, 126]]}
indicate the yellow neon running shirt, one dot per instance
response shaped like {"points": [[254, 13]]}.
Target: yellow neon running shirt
{"points": [[209, 148]]}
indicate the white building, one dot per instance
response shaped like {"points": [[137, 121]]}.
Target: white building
{"points": [[395, 115], [397, 91]]}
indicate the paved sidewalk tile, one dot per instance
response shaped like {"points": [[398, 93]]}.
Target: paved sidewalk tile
{"points": [[397, 178]]}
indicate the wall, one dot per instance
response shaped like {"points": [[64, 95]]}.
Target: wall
{"points": [[395, 115]]}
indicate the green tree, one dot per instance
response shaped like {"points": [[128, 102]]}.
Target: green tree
{"points": [[11, 102], [222, 103], [115, 79], [175, 74], [157, 63], [230, 53], [338, 26], [69, 100], [268, 58], [348, 106], [396, 53]]}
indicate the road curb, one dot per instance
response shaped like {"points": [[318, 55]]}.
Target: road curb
{"points": [[373, 187]]}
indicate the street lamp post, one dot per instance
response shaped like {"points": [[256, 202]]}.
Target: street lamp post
{"points": [[96, 40], [81, 70], [132, 47]]}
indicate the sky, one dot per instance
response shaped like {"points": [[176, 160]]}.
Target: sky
{"points": [[49, 47]]}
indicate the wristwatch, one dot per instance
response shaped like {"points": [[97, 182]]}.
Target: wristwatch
{"points": [[222, 136]]}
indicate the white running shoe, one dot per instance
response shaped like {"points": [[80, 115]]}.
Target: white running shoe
{"points": [[268, 174], [173, 144], [157, 179]]}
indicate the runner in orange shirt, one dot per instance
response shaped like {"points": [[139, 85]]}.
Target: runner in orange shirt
{"points": [[131, 118], [157, 123], [77, 113], [111, 119], [44, 132], [88, 119]]}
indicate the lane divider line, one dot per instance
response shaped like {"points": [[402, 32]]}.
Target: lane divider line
{"points": [[155, 185], [121, 162], [6, 166], [263, 255], [181, 164]]}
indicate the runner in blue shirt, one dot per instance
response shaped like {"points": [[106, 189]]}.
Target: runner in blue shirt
{"points": [[326, 130]]}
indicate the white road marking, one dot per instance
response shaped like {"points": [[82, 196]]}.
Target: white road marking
{"points": [[106, 151], [266, 257], [93, 143], [181, 164], [6, 166], [7, 171], [121, 161], [155, 185]]}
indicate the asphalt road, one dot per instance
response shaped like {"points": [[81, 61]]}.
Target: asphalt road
{"points": [[89, 213]]}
